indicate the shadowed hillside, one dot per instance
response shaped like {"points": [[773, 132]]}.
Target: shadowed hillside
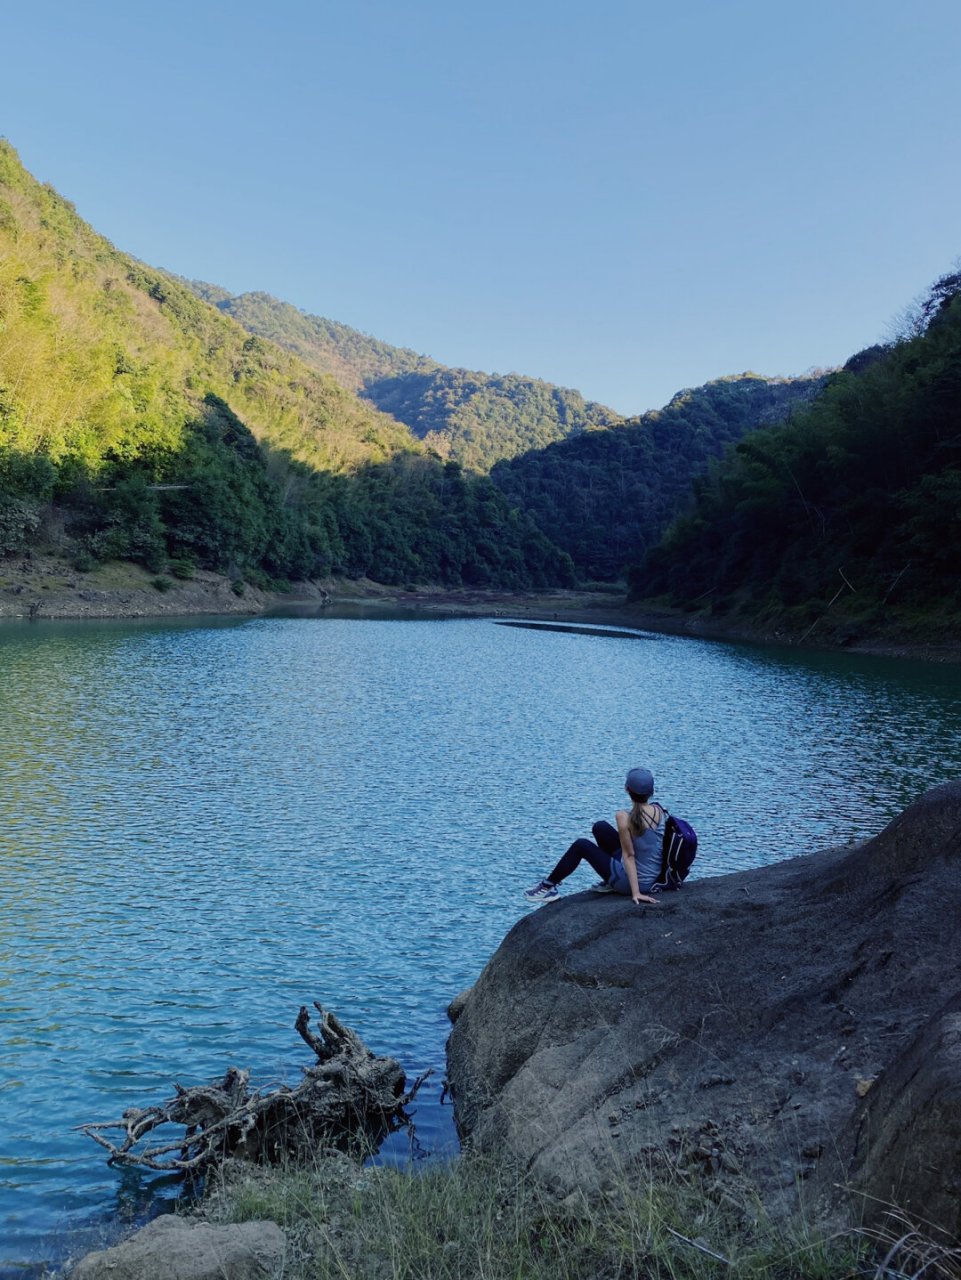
{"points": [[846, 515], [606, 497]]}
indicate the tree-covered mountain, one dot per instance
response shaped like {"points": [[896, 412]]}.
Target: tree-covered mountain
{"points": [[469, 417], [852, 508], [606, 497], [138, 421], [601, 487]]}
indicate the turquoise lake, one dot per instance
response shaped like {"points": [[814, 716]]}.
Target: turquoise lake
{"points": [[207, 824]]}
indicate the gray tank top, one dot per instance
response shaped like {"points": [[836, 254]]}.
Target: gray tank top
{"points": [[647, 860]]}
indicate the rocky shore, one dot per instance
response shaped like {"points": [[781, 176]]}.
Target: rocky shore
{"points": [[792, 1032], [43, 586]]}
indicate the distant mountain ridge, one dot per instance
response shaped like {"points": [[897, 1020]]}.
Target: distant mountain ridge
{"points": [[601, 487], [464, 415], [140, 419]]}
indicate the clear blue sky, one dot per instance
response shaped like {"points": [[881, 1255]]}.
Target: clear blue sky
{"points": [[625, 196]]}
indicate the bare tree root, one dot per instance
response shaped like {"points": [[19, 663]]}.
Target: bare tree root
{"points": [[349, 1100]]}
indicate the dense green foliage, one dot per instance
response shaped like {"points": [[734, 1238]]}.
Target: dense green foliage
{"points": [[102, 357], [472, 418], [137, 421], [420, 520], [860, 493], [224, 502], [606, 497], [478, 418]]}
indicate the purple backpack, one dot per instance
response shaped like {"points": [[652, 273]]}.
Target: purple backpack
{"points": [[677, 853]]}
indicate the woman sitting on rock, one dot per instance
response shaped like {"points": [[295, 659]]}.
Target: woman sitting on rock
{"points": [[627, 859]]}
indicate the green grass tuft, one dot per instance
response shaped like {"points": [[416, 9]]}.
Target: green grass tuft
{"points": [[476, 1218]]}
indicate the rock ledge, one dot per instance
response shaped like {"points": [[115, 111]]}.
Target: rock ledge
{"points": [[793, 1031]]}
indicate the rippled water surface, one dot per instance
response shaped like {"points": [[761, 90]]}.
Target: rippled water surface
{"points": [[206, 825]]}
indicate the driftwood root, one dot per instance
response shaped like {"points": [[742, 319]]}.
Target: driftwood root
{"points": [[348, 1100]]}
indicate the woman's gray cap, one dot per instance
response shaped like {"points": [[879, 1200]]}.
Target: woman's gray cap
{"points": [[641, 782]]}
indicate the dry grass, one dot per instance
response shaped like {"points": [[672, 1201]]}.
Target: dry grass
{"points": [[902, 1252]]}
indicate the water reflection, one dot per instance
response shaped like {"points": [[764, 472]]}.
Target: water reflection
{"points": [[204, 826]]}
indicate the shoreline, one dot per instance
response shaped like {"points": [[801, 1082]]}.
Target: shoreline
{"points": [[46, 587], [602, 608]]}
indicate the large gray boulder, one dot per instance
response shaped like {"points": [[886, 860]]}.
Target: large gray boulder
{"points": [[795, 1030], [907, 1148], [171, 1248]]}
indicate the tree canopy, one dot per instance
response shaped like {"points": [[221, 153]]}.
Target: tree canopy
{"points": [[859, 495], [606, 497]]}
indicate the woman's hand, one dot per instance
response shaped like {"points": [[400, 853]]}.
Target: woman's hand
{"points": [[644, 897]]}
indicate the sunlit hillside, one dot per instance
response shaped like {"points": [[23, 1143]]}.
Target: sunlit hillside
{"points": [[137, 421], [101, 355], [471, 417]]}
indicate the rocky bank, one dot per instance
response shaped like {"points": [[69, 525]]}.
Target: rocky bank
{"points": [[791, 1033], [40, 586]]}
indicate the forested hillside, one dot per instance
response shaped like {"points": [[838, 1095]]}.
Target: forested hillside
{"points": [[606, 497], [472, 418], [136, 421], [139, 421], [852, 509]]}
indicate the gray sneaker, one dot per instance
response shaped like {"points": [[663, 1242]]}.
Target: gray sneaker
{"points": [[602, 887], [543, 892]]}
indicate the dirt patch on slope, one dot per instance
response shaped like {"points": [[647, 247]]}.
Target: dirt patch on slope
{"points": [[47, 587]]}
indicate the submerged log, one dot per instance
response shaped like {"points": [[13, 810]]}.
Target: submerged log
{"points": [[348, 1100]]}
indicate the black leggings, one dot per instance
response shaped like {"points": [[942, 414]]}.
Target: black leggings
{"points": [[598, 855]]}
